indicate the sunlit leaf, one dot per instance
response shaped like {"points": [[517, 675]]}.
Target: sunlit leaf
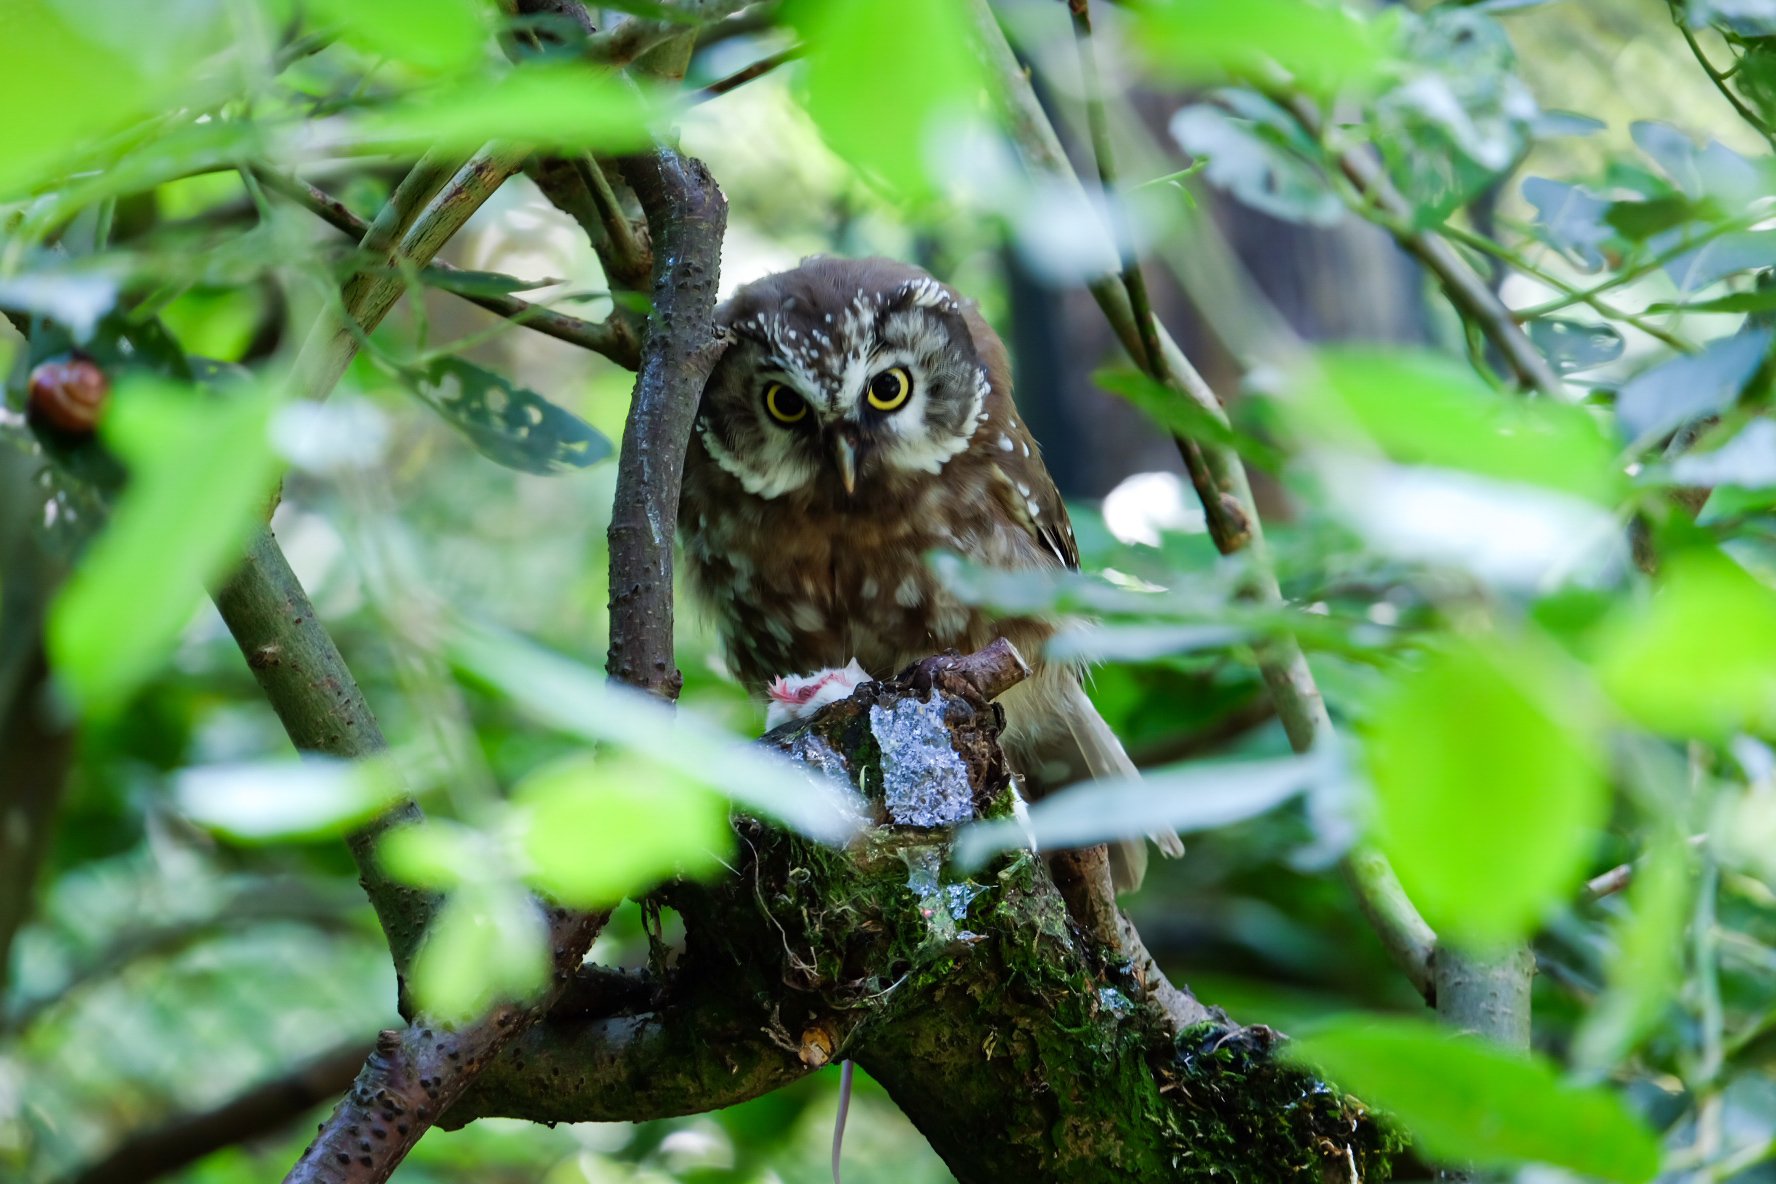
{"points": [[1690, 386], [431, 34], [1489, 787], [488, 943], [1646, 964], [436, 854], [1191, 797], [284, 800], [1700, 658], [1761, 300], [76, 299], [201, 467], [509, 424], [581, 702], [865, 57], [597, 830], [66, 78], [1641, 220], [1465, 1100], [1422, 408], [548, 105], [1323, 45]]}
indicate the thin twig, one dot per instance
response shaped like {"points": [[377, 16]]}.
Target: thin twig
{"points": [[261, 1110], [635, 36], [747, 74], [1465, 287], [414, 224], [1224, 488], [612, 338], [628, 261], [1719, 79]]}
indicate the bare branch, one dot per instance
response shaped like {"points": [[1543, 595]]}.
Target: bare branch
{"points": [[614, 338], [418, 219], [306, 680], [688, 215], [741, 77]]}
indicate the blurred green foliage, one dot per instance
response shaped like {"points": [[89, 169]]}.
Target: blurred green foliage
{"points": [[1544, 624]]}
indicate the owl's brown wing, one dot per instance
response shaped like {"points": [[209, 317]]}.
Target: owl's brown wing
{"points": [[1026, 492]]}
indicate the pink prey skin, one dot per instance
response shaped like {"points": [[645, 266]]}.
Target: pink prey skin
{"points": [[797, 696]]}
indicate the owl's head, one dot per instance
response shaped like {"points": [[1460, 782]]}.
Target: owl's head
{"points": [[845, 376]]}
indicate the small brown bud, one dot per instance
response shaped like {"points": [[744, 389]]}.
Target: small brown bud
{"points": [[69, 393], [817, 1046]]}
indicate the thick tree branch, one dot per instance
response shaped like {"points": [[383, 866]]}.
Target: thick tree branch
{"points": [[416, 1075], [1221, 483], [306, 680], [688, 215], [262, 1110], [614, 338]]}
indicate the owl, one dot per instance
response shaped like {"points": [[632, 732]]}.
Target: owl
{"points": [[860, 420]]}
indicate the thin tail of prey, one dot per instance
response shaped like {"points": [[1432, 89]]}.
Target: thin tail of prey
{"points": [[1104, 758]]}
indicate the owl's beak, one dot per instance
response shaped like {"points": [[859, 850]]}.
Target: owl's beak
{"points": [[844, 446]]}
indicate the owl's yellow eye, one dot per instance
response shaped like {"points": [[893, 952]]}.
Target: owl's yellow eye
{"points": [[889, 389], [784, 404]]}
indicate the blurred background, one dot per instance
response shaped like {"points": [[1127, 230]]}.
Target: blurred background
{"points": [[161, 972]]}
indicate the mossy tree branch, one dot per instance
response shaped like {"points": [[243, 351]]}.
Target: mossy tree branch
{"points": [[993, 1021]]}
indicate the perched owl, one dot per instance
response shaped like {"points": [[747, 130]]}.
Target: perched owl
{"points": [[861, 419]]}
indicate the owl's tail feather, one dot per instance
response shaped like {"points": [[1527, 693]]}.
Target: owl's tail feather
{"points": [[1105, 758]]}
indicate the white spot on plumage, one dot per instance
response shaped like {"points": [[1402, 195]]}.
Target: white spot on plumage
{"points": [[869, 589], [909, 594], [1005, 444]]}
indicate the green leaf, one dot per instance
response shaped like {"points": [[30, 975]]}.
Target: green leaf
{"points": [[1699, 660], [558, 106], [67, 79], [1425, 409], [1646, 966], [581, 702], [1761, 300], [1488, 787], [509, 424], [266, 801], [435, 854], [1569, 219], [1641, 220], [1691, 386], [915, 59], [201, 470], [488, 943], [1181, 416], [1466, 1100], [438, 35], [479, 283], [597, 831], [1323, 45]]}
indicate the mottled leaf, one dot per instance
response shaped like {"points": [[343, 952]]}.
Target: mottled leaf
{"points": [[507, 423], [1572, 345]]}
